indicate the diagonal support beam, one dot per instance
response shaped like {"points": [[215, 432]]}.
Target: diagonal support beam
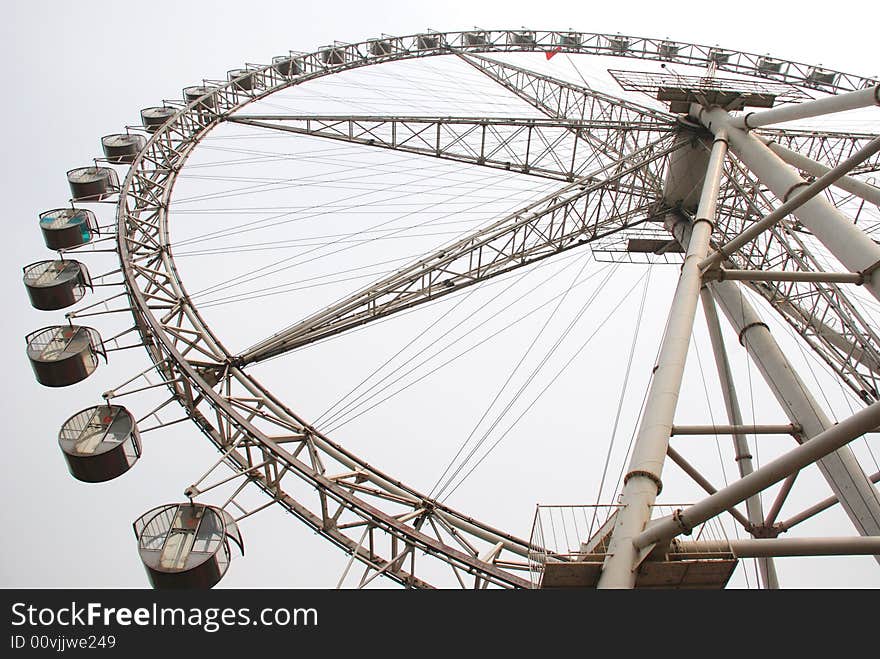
{"points": [[825, 443], [852, 247], [799, 201], [559, 98], [569, 218], [857, 187], [700, 480], [841, 468], [817, 508]]}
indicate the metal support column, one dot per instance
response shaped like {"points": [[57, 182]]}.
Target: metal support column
{"points": [[841, 469], [839, 103], [754, 507], [642, 482]]}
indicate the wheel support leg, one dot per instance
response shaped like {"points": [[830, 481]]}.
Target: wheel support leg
{"points": [[642, 482], [754, 508]]}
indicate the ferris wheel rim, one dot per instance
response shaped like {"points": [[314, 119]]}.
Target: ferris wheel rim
{"points": [[168, 358]]}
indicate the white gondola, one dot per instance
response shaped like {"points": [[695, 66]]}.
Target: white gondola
{"points": [[570, 39], [618, 44], [719, 56], [122, 148], [241, 79], [381, 47], [203, 94], [819, 76], [285, 65], [92, 183], [53, 285], [524, 38], [64, 228], [155, 117], [769, 65], [477, 38], [333, 56], [428, 41], [100, 443], [668, 49], [64, 354], [186, 545]]}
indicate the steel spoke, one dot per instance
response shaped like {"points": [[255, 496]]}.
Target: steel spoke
{"points": [[506, 144], [569, 218]]}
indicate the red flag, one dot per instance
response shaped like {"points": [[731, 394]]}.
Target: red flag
{"points": [[551, 53]]}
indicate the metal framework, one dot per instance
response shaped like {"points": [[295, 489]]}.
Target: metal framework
{"points": [[611, 157]]}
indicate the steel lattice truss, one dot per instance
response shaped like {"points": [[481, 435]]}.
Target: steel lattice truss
{"points": [[548, 148], [610, 156]]}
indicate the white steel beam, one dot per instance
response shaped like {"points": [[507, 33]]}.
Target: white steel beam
{"points": [[723, 274], [859, 188], [760, 429], [751, 548], [642, 482], [817, 508], [840, 103], [827, 442]]}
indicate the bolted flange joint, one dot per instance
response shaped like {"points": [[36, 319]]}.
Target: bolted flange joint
{"points": [[646, 474]]}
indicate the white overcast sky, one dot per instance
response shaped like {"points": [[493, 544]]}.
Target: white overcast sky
{"points": [[76, 71]]}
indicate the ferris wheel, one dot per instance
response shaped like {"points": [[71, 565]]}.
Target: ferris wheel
{"points": [[553, 151]]}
